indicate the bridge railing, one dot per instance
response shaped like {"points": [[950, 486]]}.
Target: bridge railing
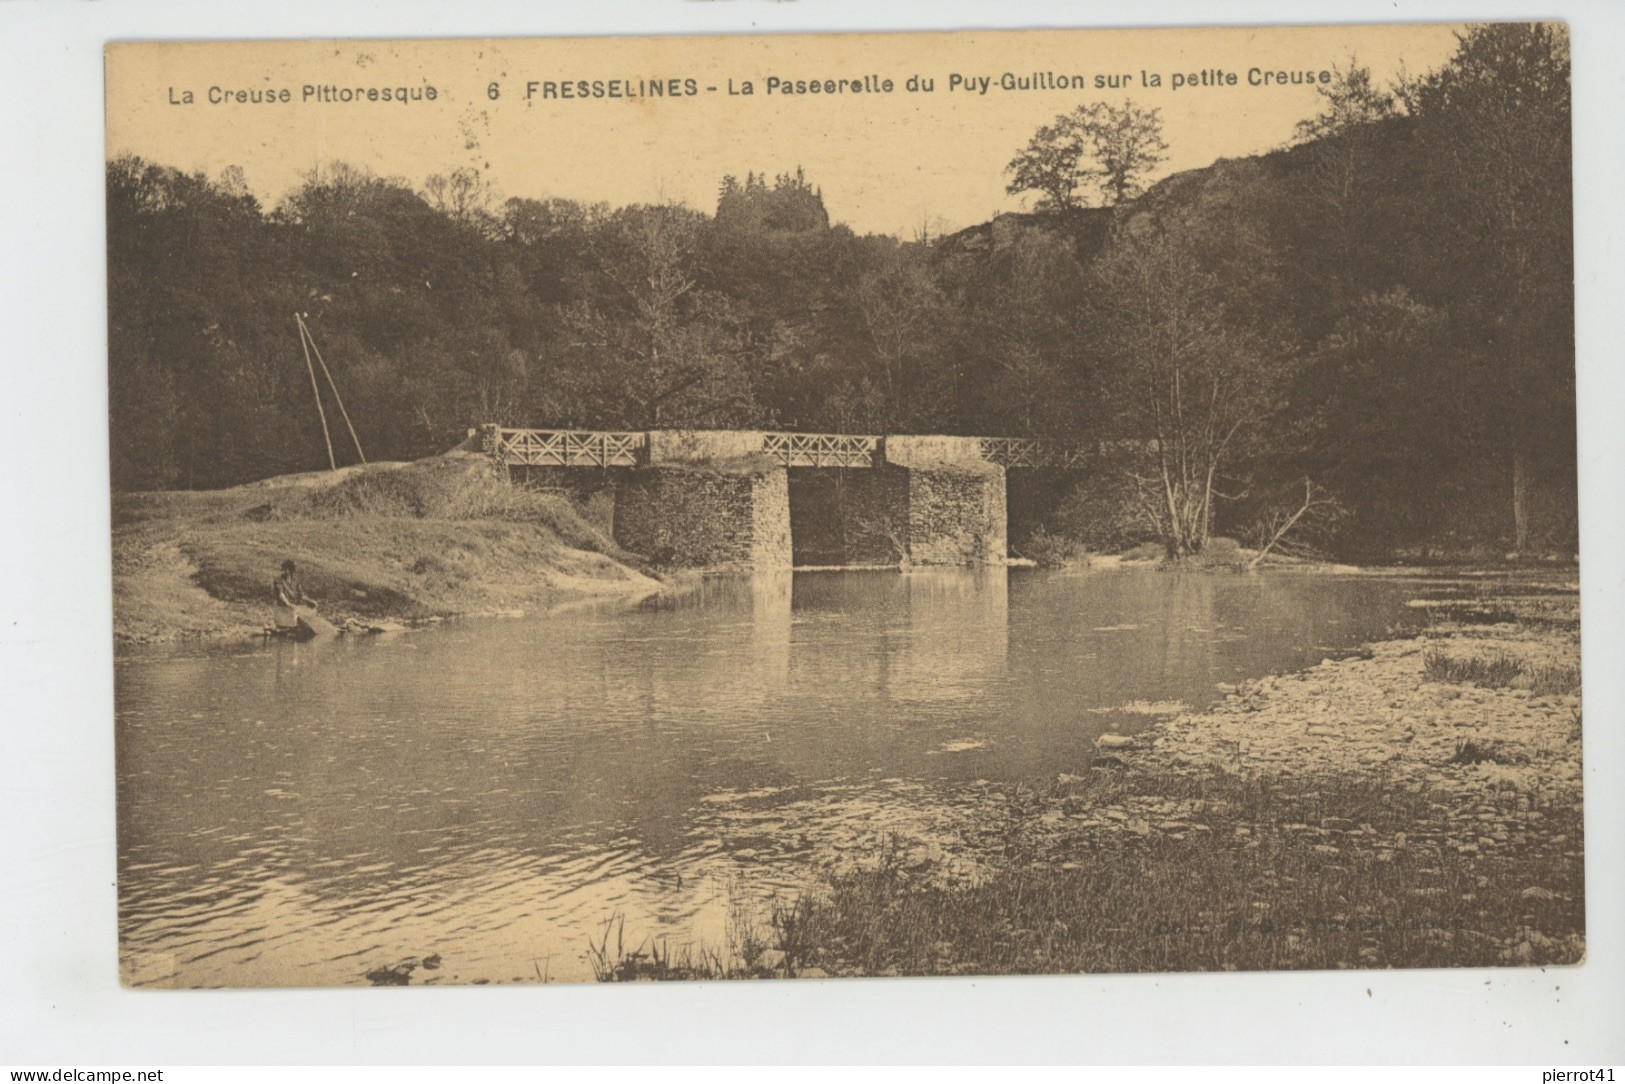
{"points": [[567, 447], [584, 448], [821, 449], [1031, 452]]}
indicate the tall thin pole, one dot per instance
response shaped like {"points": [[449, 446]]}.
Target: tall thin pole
{"points": [[332, 463], [339, 399]]}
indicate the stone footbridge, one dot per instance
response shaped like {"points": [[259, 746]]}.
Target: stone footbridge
{"points": [[765, 500]]}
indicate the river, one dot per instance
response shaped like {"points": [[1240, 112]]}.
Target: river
{"points": [[490, 792]]}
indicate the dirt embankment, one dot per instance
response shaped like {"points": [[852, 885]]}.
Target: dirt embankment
{"points": [[402, 541]]}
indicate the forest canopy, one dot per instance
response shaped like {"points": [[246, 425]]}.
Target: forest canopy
{"points": [[1384, 307]]}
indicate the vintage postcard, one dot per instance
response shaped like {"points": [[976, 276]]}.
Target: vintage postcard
{"points": [[806, 506]]}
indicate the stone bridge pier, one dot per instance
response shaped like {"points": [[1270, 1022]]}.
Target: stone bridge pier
{"points": [[955, 510], [707, 499]]}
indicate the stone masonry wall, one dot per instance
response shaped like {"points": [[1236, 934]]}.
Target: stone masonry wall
{"points": [[956, 516], [706, 518], [770, 520]]}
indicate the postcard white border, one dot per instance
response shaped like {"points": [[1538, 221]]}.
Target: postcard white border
{"points": [[60, 1002]]}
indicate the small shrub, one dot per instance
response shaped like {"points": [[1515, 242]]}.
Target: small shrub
{"points": [[1103, 511], [1502, 671], [1146, 551], [1054, 550], [1220, 553]]}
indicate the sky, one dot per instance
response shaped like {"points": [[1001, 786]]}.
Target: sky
{"points": [[895, 162]]}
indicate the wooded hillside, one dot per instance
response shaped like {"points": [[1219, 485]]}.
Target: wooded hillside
{"points": [[1383, 309]]}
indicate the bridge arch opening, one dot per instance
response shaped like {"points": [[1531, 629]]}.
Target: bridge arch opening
{"points": [[848, 516], [1033, 497]]}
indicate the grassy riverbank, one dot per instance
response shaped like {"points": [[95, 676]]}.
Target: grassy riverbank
{"points": [[435, 538], [1415, 805]]}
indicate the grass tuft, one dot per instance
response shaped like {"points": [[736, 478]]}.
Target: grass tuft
{"points": [[1497, 671], [1470, 751], [1502, 671]]}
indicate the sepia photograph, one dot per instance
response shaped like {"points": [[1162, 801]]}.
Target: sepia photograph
{"points": [[823, 506]]}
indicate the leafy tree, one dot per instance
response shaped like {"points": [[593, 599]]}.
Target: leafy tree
{"points": [[1021, 339], [1386, 417], [657, 350], [902, 310], [1351, 101], [194, 390], [464, 196], [1127, 144], [1344, 198], [1052, 164], [791, 204], [1111, 148], [1497, 197]]}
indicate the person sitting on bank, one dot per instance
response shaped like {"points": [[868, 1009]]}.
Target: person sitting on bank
{"points": [[290, 596]]}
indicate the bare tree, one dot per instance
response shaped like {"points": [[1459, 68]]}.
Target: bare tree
{"points": [[1317, 509], [1191, 386], [464, 195]]}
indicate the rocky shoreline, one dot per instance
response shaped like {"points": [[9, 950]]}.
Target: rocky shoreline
{"points": [[1497, 756]]}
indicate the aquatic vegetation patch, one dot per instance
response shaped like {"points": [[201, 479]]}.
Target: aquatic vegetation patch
{"points": [[753, 951]]}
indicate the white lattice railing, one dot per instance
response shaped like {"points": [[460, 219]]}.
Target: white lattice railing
{"points": [[583, 448], [1029, 452], [569, 448], [821, 449]]}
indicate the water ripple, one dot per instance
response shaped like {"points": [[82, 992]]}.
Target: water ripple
{"points": [[493, 791]]}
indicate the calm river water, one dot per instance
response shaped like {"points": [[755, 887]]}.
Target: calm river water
{"points": [[491, 791]]}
